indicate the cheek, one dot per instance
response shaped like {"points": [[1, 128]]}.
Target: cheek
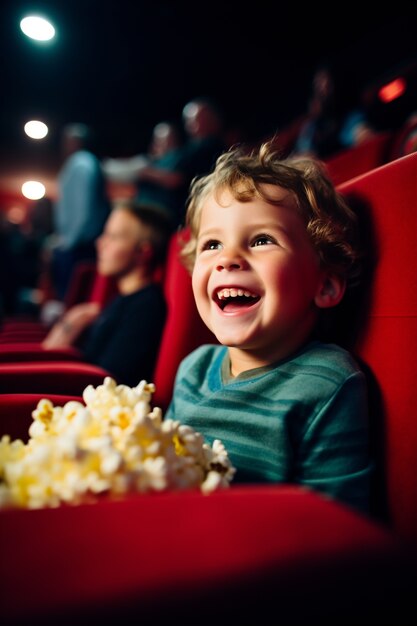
{"points": [[199, 283], [297, 280], [114, 256], [196, 281]]}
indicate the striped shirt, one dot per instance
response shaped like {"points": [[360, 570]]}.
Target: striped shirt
{"points": [[303, 420]]}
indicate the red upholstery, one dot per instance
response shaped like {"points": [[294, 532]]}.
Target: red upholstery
{"points": [[389, 344], [183, 330], [18, 335], [103, 290], [251, 555], [21, 351], [81, 283], [33, 351], [56, 377], [361, 158], [16, 411]]}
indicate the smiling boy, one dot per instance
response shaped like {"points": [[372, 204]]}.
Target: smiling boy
{"points": [[273, 245]]}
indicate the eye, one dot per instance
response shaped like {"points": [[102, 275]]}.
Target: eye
{"points": [[210, 244], [263, 240]]}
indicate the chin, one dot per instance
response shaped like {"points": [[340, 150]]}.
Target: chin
{"points": [[231, 340]]}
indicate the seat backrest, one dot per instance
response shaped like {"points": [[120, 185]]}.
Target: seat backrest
{"points": [[388, 344], [50, 377], [87, 285], [81, 283], [184, 329], [16, 411], [362, 158]]}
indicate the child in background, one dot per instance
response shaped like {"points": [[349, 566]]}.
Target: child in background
{"points": [[272, 246], [124, 337]]}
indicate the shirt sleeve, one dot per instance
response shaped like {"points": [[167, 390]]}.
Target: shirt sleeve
{"points": [[333, 455]]}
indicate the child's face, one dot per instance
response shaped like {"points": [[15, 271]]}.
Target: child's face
{"points": [[256, 274], [117, 247]]}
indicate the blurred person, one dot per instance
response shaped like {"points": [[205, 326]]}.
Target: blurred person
{"points": [[167, 184], [166, 138], [33, 260], [166, 141], [82, 206], [334, 121], [124, 337]]}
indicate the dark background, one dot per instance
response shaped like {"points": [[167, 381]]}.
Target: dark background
{"points": [[122, 66]]}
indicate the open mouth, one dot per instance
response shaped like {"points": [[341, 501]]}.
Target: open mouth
{"points": [[234, 298]]}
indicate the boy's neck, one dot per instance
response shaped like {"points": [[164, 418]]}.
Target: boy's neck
{"points": [[245, 360]]}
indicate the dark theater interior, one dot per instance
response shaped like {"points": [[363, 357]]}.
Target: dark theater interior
{"points": [[110, 514]]}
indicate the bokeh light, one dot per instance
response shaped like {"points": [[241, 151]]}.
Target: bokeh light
{"points": [[37, 28], [36, 129], [33, 190]]}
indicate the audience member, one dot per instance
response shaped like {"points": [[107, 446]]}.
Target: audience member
{"points": [[164, 150], [166, 138], [124, 337], [32, 259], [165, 180], [335, 119], [272, 246], [82, 206]]}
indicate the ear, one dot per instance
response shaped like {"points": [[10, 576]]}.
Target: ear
{"points": [[330, 292]]}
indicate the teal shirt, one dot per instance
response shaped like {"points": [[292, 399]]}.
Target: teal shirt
{"points": [[303, 420]]}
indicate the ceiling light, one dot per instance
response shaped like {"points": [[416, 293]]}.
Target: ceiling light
{"points": [[33, 190], [36, 130], [37, 28]]}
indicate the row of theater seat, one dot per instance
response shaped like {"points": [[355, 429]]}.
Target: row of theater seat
{"points": [[378, 149], [26, 366], [247, 553]]}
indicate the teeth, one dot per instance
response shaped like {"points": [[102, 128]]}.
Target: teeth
{"points": [[233, 293]]}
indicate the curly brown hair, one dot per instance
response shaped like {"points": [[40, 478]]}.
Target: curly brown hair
{"points": [[330, 222]]}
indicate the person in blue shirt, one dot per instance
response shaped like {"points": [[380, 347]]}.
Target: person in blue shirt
{"points": [[273, 246], [81, 209], [165, 180]]}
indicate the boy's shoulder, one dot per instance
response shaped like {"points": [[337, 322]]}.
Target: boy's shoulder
{"points": [[331, 352], [326, 360]]}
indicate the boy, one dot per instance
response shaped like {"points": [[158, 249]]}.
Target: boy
{"points": [[124, 337], [272, 245]]}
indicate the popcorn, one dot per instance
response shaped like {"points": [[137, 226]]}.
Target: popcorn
{"points": [[115, 444]]}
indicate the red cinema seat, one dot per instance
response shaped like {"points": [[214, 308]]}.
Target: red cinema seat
{"points": [[16, 411], [49, 377], [362, 158], [184, 330], [32, 351], [245, 555], [388, 342]]}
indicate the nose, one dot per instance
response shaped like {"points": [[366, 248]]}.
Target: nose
{"points": [[231, 260]]}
